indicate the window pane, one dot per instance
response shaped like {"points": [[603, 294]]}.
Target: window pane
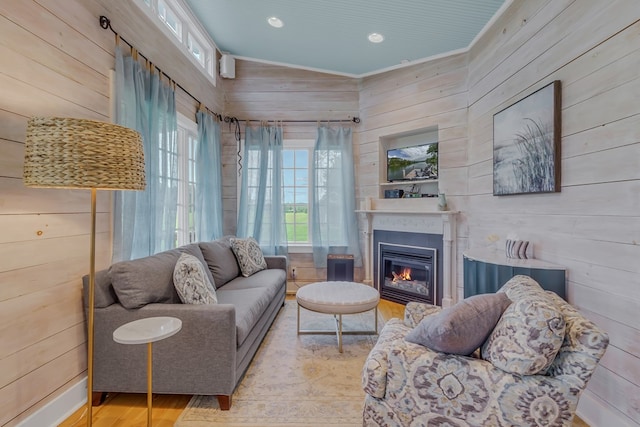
{"points": [[302, 159], [302, 195], [287, 176], [302, 177], [287, 158], [288, 195]]}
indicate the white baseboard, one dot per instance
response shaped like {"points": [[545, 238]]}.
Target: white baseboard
{"points": [[595, 412], [60, 408]]}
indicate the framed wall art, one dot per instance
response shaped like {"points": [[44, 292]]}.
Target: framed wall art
{"points": [[526, 144]]}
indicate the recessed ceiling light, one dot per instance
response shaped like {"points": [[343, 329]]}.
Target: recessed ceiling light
{"points": [[376, 38], [275, 22]]}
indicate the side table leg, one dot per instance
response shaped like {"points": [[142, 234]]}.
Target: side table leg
{"points": [[149, 382], [340, 333]]}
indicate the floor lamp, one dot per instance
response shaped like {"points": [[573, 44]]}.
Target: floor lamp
{"points": [[83, 154]]}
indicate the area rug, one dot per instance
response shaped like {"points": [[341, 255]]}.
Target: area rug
{"points": [[296, 380]]}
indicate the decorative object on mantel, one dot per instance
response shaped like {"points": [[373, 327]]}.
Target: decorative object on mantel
{"points": [[83, 154], [442, 202], [526, 144], [516, 248]]}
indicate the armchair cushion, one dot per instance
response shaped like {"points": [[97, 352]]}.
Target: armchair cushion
{"points": [[462, 328], [527, 338], [191, 281]]}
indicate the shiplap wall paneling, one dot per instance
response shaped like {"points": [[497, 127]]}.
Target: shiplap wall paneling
{"points": [[55, 61], [270, 92], [48, 68], [592, 226], [423, 96]]}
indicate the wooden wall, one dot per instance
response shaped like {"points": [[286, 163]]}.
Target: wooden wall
{"points": [[55, 60], [593, 225], [270, 92]]}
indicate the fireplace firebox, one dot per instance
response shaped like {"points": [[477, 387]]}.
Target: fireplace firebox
{"points": [[407, 273]]}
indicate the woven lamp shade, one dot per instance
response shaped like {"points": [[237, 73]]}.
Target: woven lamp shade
{"points": [[81, 153]]}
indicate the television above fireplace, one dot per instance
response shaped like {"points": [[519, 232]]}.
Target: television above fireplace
{"points": [[418, 162]]}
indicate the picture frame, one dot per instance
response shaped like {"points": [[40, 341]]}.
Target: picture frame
{"points": [[526, 144]]}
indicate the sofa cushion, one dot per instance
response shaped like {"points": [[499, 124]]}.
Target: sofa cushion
{"points": [[191, 281], [527, 338], [221, 261], [146, 280], [249, 255], [462, 328], [251, 296]]}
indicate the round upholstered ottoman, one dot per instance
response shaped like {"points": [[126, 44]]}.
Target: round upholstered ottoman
{"points": [[338, 298]]}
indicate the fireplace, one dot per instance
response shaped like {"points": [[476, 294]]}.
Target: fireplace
{"points": [[407, 266], [407, 273]]}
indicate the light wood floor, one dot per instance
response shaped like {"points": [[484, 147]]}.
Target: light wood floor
{"points": [[130, 410]]}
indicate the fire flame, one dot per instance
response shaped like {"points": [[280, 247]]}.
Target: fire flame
{"points": [[405, 274]]}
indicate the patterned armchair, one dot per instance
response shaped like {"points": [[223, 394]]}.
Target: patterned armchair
{"points": [[408, 384]]}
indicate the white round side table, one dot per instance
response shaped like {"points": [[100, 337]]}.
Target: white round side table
{"points": [[147, 331]]}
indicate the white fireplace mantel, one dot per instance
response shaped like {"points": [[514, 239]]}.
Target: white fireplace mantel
{"points": [[417, 217]]}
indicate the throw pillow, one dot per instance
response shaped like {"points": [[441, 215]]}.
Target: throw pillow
{"points": [[528, 336], [145, 280], [191, 281], [462, 328], [249, 255], [221, 261]]}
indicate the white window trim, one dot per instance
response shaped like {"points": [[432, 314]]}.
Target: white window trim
{"points": [[183, 176], [295, 248], [189, 24], [302, 248]]}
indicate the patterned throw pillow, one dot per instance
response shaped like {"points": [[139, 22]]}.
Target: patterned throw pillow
{"points": [[463, 327], [191, 281], [527, 338], [249, 255]]}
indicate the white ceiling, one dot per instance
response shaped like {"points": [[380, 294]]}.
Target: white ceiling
{"points": [[331, 35]]}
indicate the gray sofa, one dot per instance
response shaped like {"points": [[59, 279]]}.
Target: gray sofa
{"points": [[217, 341]]}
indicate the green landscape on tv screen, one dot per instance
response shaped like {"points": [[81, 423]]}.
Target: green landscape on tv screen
{"points": [[412, 163]]}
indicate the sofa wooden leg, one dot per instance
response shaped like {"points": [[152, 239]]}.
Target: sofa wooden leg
{"points": [[98, 398], [224, 401]]}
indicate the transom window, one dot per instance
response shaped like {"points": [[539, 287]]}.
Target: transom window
{"points": [[175, 19]]}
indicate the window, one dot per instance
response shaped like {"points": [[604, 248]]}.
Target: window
{"points": [[170, 18], [175, 19], [195, 49], [295, 170], [296, 162], [187, 139]]}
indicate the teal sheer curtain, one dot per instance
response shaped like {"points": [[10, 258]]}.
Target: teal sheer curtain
{"points": [[145, 221], [261, 212], [334, 226], [208, 178]]}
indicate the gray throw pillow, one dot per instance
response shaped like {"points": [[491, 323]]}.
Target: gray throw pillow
{"points": [[145, 280], [192, 283], [249, 255], [462, 328], [221, 261]]}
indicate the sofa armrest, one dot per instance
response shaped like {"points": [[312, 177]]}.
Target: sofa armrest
{"points": [[414, 312], [276, 261], [188, 362]]}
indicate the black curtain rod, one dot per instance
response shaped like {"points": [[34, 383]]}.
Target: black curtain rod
{"points": [[105, 23], [350, 119]]}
